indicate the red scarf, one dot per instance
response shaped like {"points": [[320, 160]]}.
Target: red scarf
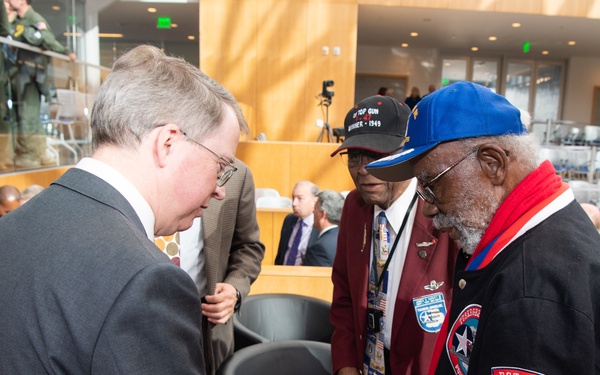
{"points": [[538, 186]]}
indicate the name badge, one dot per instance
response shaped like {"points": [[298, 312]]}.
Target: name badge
{"points": [[431, 311]]}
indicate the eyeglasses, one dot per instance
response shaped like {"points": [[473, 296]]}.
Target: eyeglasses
{"points": [[225, 167], [353, 158], [426, 193]]}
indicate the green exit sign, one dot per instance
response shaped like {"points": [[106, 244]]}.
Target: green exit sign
{"points": [[163, 23], [526, 47]]}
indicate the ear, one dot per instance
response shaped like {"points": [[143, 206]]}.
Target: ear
{"points": [[164, 141], [494, 163]]}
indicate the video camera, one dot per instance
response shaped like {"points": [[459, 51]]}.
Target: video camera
{"points": [[326, 93]]}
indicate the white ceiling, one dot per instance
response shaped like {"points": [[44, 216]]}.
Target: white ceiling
{"points": [[453, 30]]}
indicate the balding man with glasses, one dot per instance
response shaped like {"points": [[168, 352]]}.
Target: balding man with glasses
{"points": [[84, 288], [392, 273]]}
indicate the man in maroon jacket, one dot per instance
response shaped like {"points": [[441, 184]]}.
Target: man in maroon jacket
{"points": [[386, 251]]}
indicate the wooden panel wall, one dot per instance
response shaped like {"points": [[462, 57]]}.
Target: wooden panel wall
{"points": [[41, 177], [280, 165], [307, 281], [270, 222], [268, 54]]}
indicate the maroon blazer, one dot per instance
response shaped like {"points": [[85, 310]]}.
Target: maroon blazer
{"points": [[411, 347]]}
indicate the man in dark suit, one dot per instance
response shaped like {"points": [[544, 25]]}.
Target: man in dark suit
{"points": [[88, 292], [222, 252], [327, 213], [298, 226], [392, 273]]}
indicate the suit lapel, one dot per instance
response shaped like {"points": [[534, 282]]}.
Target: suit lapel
{"points": [[420, 251]]}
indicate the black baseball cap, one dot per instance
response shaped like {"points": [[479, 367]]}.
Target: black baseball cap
{"points": [[377, 123]]}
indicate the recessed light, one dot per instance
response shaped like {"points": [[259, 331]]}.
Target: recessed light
{"points": [[414, 34], [492, 38], [55, 7], [474, 48], [191, 37], [516, 24], [174, 25], [545, 52], [572, 42], [151, 10], [109, 35], [404, 45]]}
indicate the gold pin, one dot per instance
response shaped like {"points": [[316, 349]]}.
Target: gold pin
{"points": [[462, 283]]}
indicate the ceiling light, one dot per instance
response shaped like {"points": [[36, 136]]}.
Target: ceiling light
{"points": [[174, 25], [151, 10], [545, 52], [404, 45], [492, 38], [572, 42], [516, 24], [110, 35], [474, 48], [55, 7], [414, 34], [191, 37]]}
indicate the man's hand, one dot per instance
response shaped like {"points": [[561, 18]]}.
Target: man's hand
{"points": [[219, 306], [72, 56]]}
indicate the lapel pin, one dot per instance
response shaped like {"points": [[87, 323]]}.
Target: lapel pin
{"points": [[424, 244], [433, 285], [422, 254]]}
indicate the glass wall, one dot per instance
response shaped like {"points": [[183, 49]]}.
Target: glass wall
{"points": [[518, 84], [548, 91], [485, 73]]}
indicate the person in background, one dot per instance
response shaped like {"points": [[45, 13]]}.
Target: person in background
{"points": [[297, 230], [5, 31], [414, 97], [222, 253], [104, 298], [327, 213], [32, 80], [10, 199], [430, 89], [392, 273], [384, 91], [29, 192], [593, 212], [527, 275]]}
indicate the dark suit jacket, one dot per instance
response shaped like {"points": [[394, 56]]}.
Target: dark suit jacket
{"points": [[411, 347], [322, 252], [232, 254], [84, 291], [286, 231]]}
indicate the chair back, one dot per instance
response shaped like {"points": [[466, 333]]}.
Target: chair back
{"points": [[280, 317], [265, 192], [295, 357], [274, 202]]}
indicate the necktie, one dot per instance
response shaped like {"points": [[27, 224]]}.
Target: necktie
{"points": [[170, 246], [374, 362], [293, 254]]}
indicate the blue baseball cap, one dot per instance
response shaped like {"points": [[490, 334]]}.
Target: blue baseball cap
{"points": [[461, 110]]}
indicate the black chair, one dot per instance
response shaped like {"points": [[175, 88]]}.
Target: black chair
{"points": [[277, 317], [295, 357]]}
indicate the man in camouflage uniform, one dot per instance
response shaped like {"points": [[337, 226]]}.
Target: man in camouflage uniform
{"points": [[32, 81]]}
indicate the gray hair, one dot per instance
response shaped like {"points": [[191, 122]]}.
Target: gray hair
{"points": [[522, 148], [147, 89], [331, 202]]}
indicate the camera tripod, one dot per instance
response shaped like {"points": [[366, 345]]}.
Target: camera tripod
{"points": [[326, 128]]}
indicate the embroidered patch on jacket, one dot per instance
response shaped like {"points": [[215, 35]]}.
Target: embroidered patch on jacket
{"points": [[431, 311], [461, 338], [513, 371]]}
